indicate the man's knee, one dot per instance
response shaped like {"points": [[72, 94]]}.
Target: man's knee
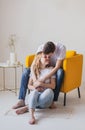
{"points": [[26, 71], [60, 72]]}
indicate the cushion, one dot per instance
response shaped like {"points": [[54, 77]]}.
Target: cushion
{"points": [[70, 53]]}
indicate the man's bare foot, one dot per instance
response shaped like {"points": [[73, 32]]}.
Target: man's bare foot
{"points": [[32, 121], [19, 104], [52, 106], [22, 110]]}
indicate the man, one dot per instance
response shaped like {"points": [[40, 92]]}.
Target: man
{"points": [[57, 53]]}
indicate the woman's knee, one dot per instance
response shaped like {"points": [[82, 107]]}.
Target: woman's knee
{"points": [[49, 93], [46, 98], [33, 94], [33, 99]]}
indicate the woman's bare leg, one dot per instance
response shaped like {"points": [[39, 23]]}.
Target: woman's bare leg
{"points": [[22, 110], [32, 120]]}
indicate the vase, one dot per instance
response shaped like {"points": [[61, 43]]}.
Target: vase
{"points": [[12, 58]]}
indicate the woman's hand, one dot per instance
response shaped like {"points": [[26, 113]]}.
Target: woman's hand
{"points": [[40, 89]]}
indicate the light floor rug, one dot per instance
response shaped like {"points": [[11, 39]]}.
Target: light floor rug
{"points": [[74, 108], [59, 112], [71, 117]]}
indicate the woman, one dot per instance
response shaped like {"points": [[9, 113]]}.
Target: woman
{"points": [[41, 94], [40, 67]]}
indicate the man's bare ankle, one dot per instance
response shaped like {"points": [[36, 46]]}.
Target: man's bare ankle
{"points": [[19, 104]]}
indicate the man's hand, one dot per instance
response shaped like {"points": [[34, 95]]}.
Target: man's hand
{"points": [[42, 79], [37, 83]]}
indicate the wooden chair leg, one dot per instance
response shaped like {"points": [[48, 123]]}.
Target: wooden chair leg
{"points": [[64, 99], [79, 93]]}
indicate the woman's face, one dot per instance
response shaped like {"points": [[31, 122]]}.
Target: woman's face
{"points": [[45, 59]]}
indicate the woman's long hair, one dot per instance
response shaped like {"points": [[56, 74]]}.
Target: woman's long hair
{"points": [[36, 65]]}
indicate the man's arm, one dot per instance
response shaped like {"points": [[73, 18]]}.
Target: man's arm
{"points": [[49, 85], [57, 66]]}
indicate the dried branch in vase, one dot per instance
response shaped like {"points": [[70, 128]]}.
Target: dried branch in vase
{"points": [[12, 41]]}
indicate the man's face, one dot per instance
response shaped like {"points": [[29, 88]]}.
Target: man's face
{"points": [[45, 59]]}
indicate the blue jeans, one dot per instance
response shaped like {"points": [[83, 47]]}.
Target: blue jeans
{"points": [[40, 99], [59, 80], [25, 78], [24, 83]]}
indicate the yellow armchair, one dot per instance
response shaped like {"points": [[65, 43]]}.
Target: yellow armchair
{"points": [[72, 66]]}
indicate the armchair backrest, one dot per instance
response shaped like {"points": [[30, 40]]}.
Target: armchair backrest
{"points": [[29, 58], [70, 53]]}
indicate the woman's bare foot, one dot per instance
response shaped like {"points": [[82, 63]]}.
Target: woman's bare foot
{"points": [[22, 110], [32, 121], [19, 104]]}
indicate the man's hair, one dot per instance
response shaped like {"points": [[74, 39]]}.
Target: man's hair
{"points": [[49, 47]]}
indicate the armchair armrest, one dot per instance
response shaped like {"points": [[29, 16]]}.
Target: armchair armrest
{"points": [[73, 72]]}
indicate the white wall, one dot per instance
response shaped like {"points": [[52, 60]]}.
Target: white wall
{"points": [[37, 21]]}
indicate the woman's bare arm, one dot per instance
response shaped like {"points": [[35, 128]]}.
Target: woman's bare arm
{"points": [[46, 85], [30, 84]]}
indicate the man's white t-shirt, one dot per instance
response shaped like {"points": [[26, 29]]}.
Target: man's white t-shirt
{"points": [[59, 54]]}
